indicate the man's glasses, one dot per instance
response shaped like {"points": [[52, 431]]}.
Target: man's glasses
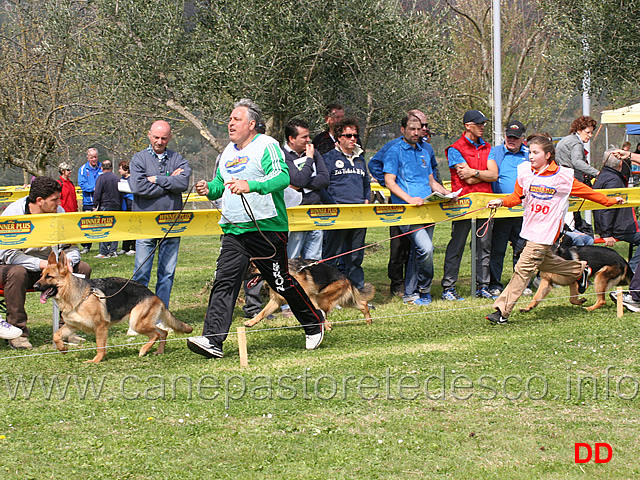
{"points": [[349, 135], [425, 125]]}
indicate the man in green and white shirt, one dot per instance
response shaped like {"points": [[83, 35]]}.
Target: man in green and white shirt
{"points": [[252, 166]]}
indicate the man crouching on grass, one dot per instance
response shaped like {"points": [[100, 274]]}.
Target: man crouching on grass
{"points": [[251, 167]]}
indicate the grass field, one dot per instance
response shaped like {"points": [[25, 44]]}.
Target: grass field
{"points": [[432, 392]]}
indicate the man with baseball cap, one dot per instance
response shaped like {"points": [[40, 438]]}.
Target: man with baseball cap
{"points": [[471, 171], [507, 157]]}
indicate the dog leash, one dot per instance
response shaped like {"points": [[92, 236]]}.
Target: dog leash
{"points": [[317, 262], [95, 292]]}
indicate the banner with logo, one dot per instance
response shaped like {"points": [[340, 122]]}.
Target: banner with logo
{"points": [[83, 227]]}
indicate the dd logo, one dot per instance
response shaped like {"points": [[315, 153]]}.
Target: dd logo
{"points": [[589, 452]]}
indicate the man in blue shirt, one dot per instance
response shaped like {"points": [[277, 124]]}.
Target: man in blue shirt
{"points": [[409, 178], [399, 247], [507, 156], [87, 176]]}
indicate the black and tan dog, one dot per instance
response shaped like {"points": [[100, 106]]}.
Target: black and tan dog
{"points": [[83, 306], [608, 269], [325, 286]]}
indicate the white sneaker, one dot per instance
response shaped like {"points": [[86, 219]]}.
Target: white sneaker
{"points": [[8, 331], [527, 292], [121, 252], [314, 341], [131, 252], [202, 346], [101, 256]]}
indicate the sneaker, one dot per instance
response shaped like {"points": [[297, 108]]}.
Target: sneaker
{"points": [[8, 331], [451, 295], [101, 256], [496, 318], [131, 252], [527, 292], [74, 339], [84, 250], [287, 313], [202, 346], [424, 300], [113, 255], [484, 293], [583, 282], [627, 300], [314, 341], [409, 299], [20, 343], [121, 252], [495, 292]]}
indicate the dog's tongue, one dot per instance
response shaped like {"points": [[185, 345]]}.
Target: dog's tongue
{"points": [[44, 296]]}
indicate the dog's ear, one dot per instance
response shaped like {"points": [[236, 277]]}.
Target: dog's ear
{"points": [[52, 258], [62, 260]]}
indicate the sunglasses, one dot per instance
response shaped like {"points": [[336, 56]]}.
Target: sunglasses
{"points": [[349, 135], [425, 125]]}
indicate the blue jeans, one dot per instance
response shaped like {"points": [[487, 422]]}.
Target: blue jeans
{"points": [[580, 239], [107, 248], [420, 265], [167, 261], [305, 245]]}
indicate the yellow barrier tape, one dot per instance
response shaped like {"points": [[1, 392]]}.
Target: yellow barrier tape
{"points": [[13, 193], [82, 227]]}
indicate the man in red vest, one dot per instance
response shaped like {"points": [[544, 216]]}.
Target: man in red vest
{"points": [[471, 171]]}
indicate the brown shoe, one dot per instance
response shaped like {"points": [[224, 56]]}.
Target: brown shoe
{"points": [[20, 343]]}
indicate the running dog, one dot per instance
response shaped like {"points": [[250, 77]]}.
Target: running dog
{"points": [[608, 269], [325, 286], [93, 306]]}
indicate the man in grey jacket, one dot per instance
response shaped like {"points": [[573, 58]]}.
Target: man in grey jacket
{"points": [[21, 268], [158, 178]]}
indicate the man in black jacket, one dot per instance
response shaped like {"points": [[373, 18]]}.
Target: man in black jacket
{"points": [[616, 223], [326, 141], [107, 197], [308, 175]]}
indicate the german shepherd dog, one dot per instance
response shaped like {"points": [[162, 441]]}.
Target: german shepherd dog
{"points": [[325, 286], [86, 305], [608, 269]]}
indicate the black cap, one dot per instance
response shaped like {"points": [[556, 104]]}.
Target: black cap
{"points": [[474, 116], [514, 129]]}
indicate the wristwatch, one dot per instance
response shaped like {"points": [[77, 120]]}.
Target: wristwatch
{"points": [[477, 173]]}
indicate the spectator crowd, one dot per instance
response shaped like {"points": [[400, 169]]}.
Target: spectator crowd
{"points": [[257, 179]]}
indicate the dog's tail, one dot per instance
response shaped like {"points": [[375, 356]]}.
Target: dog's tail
{"points": [[352, 297], [367, 292], [168, 320]]}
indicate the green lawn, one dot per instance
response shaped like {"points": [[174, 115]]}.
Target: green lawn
{"points": [[432, 392]]}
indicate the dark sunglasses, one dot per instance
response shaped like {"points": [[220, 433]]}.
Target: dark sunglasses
{"points": [[425, 125], [349, 135]]}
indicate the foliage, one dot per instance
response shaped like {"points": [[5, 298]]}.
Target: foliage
{"points": [[291, 58], [532, 88], [602, 37], [40, 106]]}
